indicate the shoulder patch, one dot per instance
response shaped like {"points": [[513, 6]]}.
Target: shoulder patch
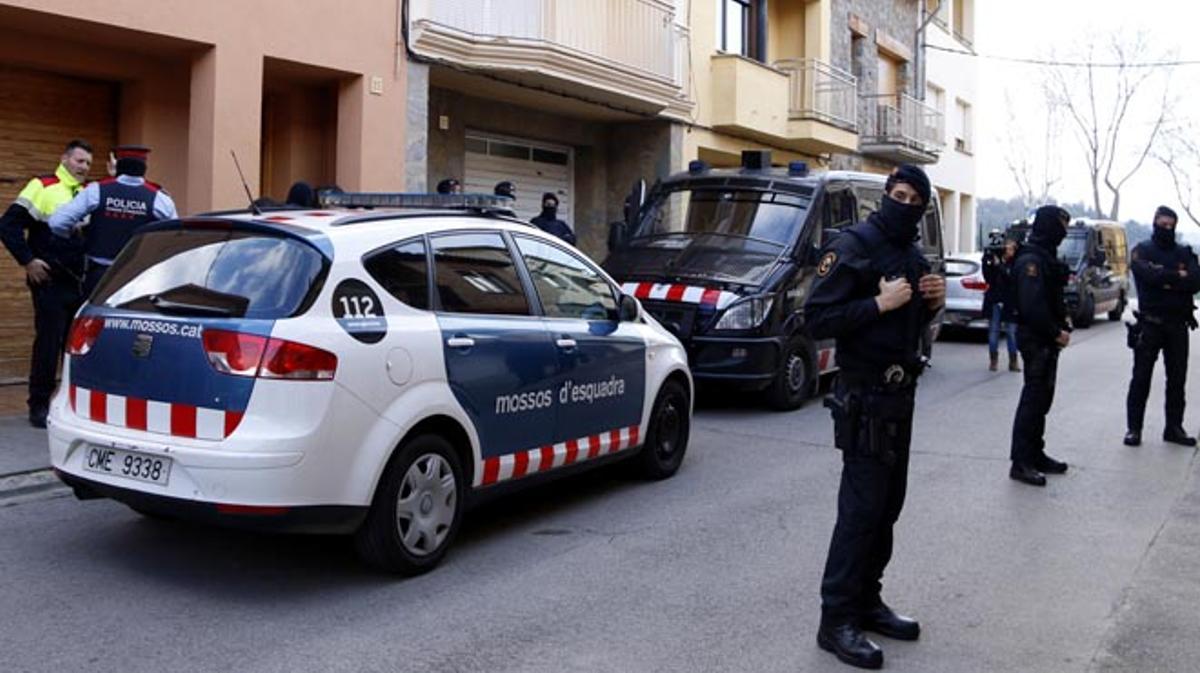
{"points": [[48, 180], [1031, 269], [828, 260]]}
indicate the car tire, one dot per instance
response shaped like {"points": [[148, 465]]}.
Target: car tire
{"points": [[417, 508], [1087, 312], [1115, 314], [793, 384], [667, 435]]}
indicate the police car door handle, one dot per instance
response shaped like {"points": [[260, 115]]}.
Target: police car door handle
{"points": [[566, 343], [460, 342]]}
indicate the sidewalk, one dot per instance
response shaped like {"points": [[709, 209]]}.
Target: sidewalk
{"points": [[22, 447]]}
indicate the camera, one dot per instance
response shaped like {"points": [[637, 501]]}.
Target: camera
{"points": [[995, 244]]}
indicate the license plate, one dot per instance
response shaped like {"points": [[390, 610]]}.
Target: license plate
{"points": [[127, 464]]}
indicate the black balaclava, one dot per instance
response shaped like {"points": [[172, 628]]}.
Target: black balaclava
{"points": [[1049, 228], [302, 194], [130, 166], [550, 212], [899, 221], [1163, 237]]}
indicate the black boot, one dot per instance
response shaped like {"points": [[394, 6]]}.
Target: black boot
{"points": [[1133, 438], [884, 621], [1049, 465], [1177, 435], [847, 642], [1026, 474]]}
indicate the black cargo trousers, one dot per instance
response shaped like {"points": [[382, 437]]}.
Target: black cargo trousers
{"points": [[54, 304], [1037, 396], [1170, 337], [873, 428]]}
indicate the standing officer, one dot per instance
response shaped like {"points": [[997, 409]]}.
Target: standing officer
{"points": [[506, 188], [1043, 330], [449, 186], [548, 221], [1167, 277], [53, 267], [874, 293], [118, 207]]}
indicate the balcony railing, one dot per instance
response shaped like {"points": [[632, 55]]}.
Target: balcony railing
{"points": [[637, 35], [822, 92], [902, 121]]}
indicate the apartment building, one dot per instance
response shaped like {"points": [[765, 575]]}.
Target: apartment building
{"points": [[576, 98], [297, 90], [951, 88]]}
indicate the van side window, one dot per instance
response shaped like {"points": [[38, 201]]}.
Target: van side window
{"points": [[870, 198], [839, 209]]}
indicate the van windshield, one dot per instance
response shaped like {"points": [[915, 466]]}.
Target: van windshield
{"points": [[722, 234], [1073, 248]]}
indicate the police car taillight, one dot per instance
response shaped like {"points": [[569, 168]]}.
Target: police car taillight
{"points": [[251, 355], [84, 332]]}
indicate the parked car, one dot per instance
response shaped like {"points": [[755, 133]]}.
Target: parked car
{"points": [[1097, 254], [965, 288], [725, 258], [358, 371]]}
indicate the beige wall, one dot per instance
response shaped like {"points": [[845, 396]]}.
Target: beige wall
{"points": [[192, 77]]}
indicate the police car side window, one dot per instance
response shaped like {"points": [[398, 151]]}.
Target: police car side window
{"points": [[402, 270], [475, 273], [567, 286]]}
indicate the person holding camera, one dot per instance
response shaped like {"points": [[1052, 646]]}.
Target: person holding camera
{"points": [[1167, 277], [998, 304]]}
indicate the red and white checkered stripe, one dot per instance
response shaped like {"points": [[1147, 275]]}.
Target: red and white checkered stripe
{"points": [[570, 452], [686, 294], [167, 418], [825, 361]]}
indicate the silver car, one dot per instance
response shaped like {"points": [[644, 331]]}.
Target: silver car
{"points": [[965, 288]]}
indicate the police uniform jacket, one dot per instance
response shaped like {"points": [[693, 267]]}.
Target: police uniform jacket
{"points": [[1162, 290], [841, 303], [1039, 279], [118, 207], [24, 229], [555, 227]]}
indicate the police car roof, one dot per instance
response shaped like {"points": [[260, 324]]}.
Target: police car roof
{"points": [[326, 220], [730, 176]]}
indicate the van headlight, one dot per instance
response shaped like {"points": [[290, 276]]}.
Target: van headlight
{"points": [[745, 314]]}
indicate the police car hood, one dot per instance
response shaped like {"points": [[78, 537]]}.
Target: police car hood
{"points": [[729, 261]]}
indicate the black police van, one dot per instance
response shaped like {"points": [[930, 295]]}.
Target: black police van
{"points": [[724, 258]]}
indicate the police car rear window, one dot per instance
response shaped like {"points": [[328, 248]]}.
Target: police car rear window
{"points": [[217, 273]]}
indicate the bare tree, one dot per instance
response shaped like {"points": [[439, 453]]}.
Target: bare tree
{"points": [[1106, 107], [1180, 154], [1034, 181]]}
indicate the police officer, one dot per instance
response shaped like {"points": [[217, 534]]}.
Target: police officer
{"points": [[548, 220], [1167, 277], [506, 189], [449, 186], [1042, 331], [875, 294], [118, 207], [53, 267]]}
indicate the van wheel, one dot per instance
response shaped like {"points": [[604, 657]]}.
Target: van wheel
{"points": [[417, 508], [794, 382], [1087, 312], [667, 436], [1115, 314]]}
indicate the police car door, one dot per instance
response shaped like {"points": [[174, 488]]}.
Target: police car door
{"points": [[500, 360], [602, 360]]}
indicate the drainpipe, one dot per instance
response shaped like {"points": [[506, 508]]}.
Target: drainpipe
{"points": [[919, 65], [760, 46]]}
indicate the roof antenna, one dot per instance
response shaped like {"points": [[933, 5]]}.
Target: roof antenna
{"points": [[253, 206]]}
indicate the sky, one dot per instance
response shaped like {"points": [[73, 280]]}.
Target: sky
{"points": [[1031, 28]]}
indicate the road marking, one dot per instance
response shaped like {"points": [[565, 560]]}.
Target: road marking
{"points": [[22, 487]]}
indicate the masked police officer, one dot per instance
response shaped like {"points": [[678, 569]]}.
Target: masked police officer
{"points": [[1167, 277], [118, 207], [875, 294], [1042, 331], [53, 267], [548, 220]]}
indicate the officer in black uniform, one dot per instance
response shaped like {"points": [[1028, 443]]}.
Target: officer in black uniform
{"points": [[449, 186], [875, 294], [548, 220], [1042, 331], [1167, 277]]}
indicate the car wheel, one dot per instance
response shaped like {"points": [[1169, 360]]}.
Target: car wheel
{"points": [[794, 382], [1117, 312], [667, 436], [1087, 312], [417, 508]]}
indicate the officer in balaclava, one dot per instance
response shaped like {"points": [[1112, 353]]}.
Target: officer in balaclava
{"points": [[449, 186], [876, 295], [548, 220], [1167, 277], [1042, 331]]}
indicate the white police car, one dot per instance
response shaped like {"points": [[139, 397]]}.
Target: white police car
{"points": [[358, 371]]}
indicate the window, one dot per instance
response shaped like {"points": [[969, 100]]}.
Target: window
{"points": [[737, 28], [566, 285], [962, 126], [937, 9], [870, 199], [475, 273], [403, 271], [963, 21], [936, 96]]}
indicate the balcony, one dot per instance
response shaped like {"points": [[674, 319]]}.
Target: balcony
{"points": [[900, 128], [803, 105], [625, 53]]}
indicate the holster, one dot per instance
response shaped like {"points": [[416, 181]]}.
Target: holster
{"points": [[846, 409], [868, 422], [1133, 334]]}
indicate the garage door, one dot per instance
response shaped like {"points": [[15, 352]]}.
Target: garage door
{"points": [[534, 167], [39, 113]]}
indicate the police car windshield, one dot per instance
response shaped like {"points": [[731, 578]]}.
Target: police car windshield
{"points": [[767, 217], [212, 273]]}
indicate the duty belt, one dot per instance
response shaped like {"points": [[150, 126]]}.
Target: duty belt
{"points": [[892, 377]]}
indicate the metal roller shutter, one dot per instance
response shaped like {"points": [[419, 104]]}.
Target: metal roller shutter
{"points": [[534, 167]]}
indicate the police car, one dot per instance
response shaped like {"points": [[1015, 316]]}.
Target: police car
{"points": [[352, 370]]}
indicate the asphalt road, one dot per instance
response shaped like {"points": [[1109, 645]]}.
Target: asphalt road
{"points": [[716, 569]]}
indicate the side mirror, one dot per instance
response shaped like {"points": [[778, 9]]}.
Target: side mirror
{"points": [[618, 233], [634, 202], [627, 309]]}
